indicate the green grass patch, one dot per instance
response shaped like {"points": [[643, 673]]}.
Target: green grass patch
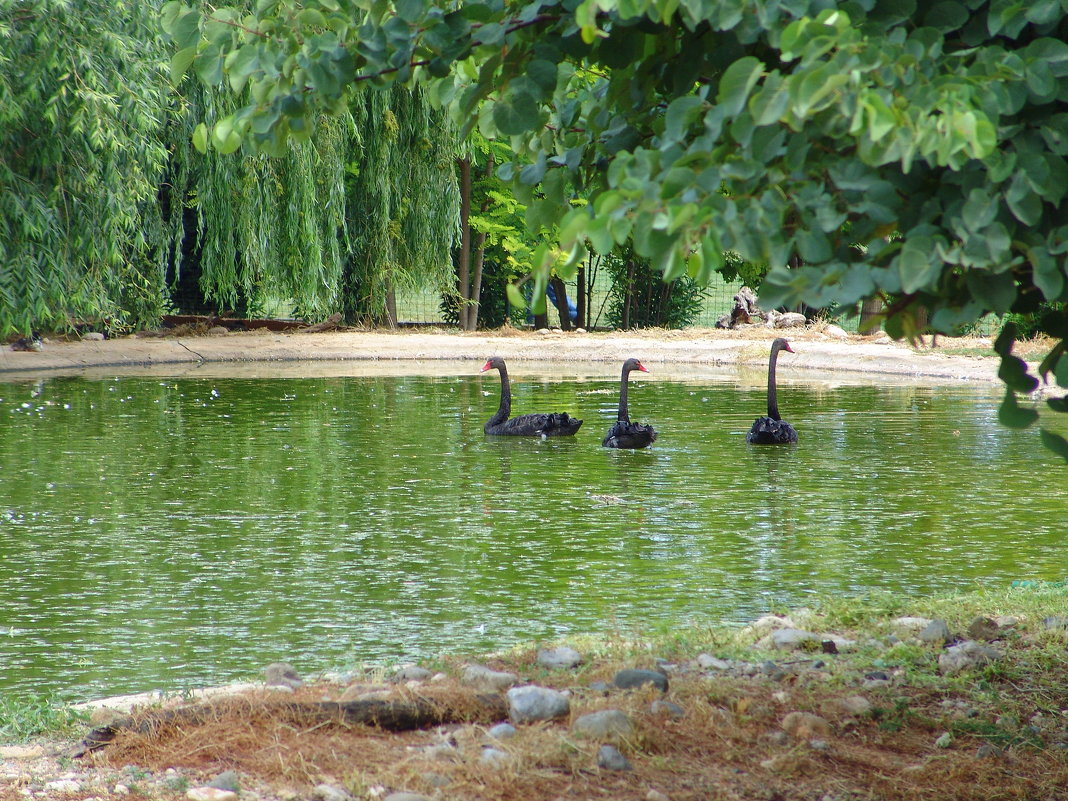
{"points": [[24, 718]]}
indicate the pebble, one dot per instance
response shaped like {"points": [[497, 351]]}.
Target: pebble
{"points": [[709, 662], [935, 633], [92, 336], [630, 679], [609, 758], [404, 796], [805, 726], [330, 792], [531, 703], [965, 656], [282, 674], [227, 780], [667, 709], [63, 786], [559, 658], [502, 731], [412, 673], [494, 757], [481, 677], [605, 724], [210, 794]]}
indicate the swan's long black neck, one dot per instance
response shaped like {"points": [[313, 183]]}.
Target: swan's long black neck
{"points": [[773, 404], [623, 416], [505, 408]]}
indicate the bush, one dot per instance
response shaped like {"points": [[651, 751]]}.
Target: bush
{"points": [[640, 299]]}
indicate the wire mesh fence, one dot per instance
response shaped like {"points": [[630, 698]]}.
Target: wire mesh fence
{"points": [[423, 306]]}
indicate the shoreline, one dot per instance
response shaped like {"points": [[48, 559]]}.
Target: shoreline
{"points": [[688, 351]]}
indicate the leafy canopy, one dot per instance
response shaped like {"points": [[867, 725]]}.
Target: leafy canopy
{"points": [[913, 151]]}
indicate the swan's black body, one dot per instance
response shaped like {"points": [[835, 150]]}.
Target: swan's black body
{"points": [[555, 424], [773, 430], [625, 434]]}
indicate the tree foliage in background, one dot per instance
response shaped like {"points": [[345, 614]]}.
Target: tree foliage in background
{"points": [[82, 107], [257, 230], [772, 128], [403, 201]]}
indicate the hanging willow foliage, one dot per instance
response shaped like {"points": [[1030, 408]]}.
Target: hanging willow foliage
{"points": [[82, 104], [403, 200], [106, 207], [267, 231]]}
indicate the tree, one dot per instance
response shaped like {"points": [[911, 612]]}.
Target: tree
{"points": [[888, 150], [82, 108]]}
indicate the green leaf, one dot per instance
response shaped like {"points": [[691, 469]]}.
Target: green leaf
{"points": [[515, 296], [1047, 273], [680, 114], [600, 236], [411, 10], [947, 16], [736, 83], [1013, 373], [515, 114], [995, 290], [1011, 414], [918, 263], [769, 104], [180, 62], [880, 118], [1024, 203], [1054, 442], [224, 137], [1052, 360], [543, 74], [185, 30], [979, 210], [200, 138]]}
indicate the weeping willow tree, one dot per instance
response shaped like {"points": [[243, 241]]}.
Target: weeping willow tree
{"points": [[106, 207], [404, 202], [366, 206], [82, 106], [250, 232]]}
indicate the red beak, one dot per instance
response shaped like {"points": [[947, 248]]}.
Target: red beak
{"points": [[485, 367], [643, 368], [789, 349]]}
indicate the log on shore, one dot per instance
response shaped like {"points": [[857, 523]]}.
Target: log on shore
{"points": [[388, 715]]}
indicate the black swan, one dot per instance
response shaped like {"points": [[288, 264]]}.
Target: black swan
{"points": [[625, 434], [773, 430], [557, 424]]}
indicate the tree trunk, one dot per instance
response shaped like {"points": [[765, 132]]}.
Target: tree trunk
{"points": [[869, 311], [580, 299], [391, 305], [463, 260], [560, 290], [628, 296]]}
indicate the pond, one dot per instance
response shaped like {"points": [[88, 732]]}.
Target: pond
{"points": [[162, 532]]}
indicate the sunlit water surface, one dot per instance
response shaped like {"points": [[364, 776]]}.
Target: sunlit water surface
{"points": [[167, 533]]}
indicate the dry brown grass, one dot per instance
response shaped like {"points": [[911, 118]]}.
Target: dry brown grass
{"points": [[729, 745]]}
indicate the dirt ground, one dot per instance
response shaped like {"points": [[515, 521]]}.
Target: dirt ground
{"points": [[670, 354]]}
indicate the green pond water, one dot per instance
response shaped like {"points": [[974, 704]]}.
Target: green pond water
{"points": [[172, 532]]}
